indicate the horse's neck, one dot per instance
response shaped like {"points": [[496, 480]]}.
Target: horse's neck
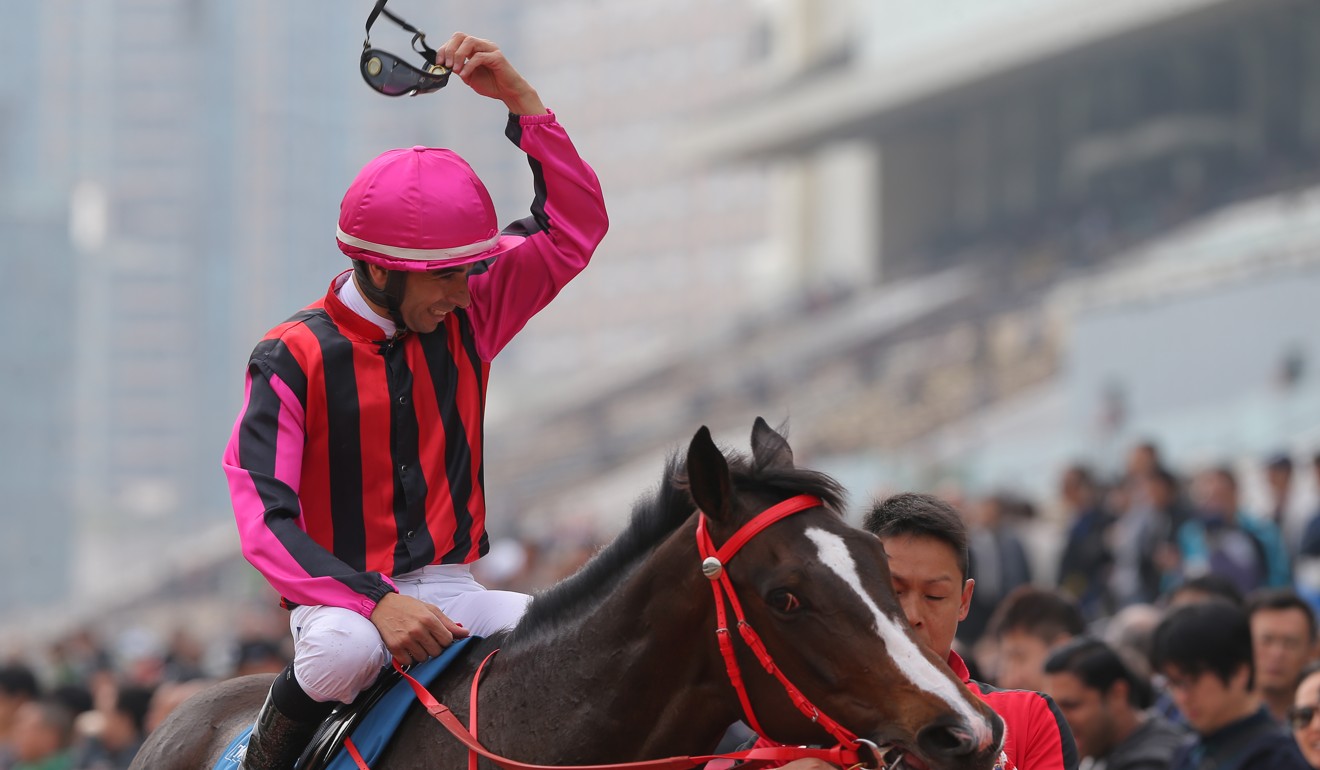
{"points": [[637, 676]]}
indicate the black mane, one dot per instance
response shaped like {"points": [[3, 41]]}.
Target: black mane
{"points": [[654, 517]]}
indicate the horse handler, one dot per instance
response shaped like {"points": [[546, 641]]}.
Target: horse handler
{"points": [[355, 466]]}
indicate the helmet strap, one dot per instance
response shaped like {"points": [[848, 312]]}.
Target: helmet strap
{"points": [[390, 297]]}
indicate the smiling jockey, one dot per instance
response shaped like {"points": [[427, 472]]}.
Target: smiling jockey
{"points": [[355, 466]]}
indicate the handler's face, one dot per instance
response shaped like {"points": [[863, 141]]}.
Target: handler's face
{"points": [[930, 587]]}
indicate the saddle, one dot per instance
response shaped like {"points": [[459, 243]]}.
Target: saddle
{"points": [[370, 720]]}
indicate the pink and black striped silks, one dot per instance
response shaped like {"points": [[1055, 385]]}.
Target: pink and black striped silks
{"points": [[356, 458]]}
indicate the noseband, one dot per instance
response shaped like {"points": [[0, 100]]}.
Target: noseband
{"points": [[712, 566]]}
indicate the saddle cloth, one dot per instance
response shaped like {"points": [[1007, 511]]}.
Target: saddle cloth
{"points": [[370, 719]]}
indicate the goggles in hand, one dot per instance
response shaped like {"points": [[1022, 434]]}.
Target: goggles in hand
{"points": [[390, 75]]}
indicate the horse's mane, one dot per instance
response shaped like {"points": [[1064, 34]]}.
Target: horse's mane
{"points": [[654, 517]]}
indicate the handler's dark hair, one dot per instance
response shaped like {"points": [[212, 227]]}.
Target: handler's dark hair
{"points": [[911, 513], [1212, 635], [1098, 666]]}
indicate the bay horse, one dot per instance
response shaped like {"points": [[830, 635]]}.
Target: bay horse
{"points": [[620, 662]]}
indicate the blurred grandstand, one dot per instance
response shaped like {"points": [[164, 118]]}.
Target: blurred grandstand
{"points": [[1081, 224]]}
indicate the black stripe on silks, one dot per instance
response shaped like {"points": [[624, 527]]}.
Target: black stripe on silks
{"points": [[344, 442], [258, 431], [275, 359], [474, 361], [513, 129], [415, 550], [539, 220], [458, 451]]}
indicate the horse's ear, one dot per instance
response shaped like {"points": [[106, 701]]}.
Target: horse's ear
{"points": [[769, 448], [708, 476]]}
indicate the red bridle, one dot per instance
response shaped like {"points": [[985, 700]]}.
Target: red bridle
{"points": [[712, 565], [847, 754]]}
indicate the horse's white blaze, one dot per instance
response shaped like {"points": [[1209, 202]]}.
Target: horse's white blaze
{"points": [[907, 657]]}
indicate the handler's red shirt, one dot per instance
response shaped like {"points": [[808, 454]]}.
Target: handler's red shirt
{"points": [[1036, 737]]}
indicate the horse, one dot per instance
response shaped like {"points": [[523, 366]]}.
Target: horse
{"points": [[622, 662]]}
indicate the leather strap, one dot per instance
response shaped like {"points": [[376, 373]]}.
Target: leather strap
{"points": [[723, 591], [776, 754]]}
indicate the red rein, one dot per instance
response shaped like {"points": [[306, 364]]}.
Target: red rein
{"points": [[846, 754]]}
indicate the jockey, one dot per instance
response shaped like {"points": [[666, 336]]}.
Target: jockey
{"points": [[355, 465]]}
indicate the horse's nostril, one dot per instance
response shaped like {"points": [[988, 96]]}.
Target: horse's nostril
{"points": [[946, 740]]}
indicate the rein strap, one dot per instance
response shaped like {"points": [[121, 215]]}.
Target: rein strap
{"points": [[765, 755]]}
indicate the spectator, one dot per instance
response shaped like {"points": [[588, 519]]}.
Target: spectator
{"points": [[1283, 637], [43, 736], [1104, 701], [1203, 651], [1030, 622], [79, 657], [1129, 633], [260, 655], [1278, 480], [1306, 703], [1204, 588], [122, 730], [183, 657], [76, 698], [18, 685], [1142, 540], [998, 563], [1223, 539], [1086, 562], [1311, 539], [1144, 460]]}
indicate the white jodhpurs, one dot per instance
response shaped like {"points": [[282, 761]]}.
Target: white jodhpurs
{"points": [[337, 653]]}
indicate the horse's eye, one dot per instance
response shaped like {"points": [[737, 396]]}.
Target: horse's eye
{"points": [[784, 600]]}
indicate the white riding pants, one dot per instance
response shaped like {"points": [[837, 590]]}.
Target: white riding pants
{"points": [[338, 653]]}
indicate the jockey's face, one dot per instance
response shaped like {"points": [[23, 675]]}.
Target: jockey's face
{"points": [[429, 297], [930, 587]]}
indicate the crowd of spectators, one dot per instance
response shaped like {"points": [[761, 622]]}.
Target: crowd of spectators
{"points": [[1178, 629], [88, 703], [1095, 634]]}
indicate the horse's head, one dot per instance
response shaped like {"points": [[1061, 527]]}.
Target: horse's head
{"points": [[818, 594]]}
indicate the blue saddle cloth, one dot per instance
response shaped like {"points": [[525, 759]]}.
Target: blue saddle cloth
{"points": [[373, 733]]}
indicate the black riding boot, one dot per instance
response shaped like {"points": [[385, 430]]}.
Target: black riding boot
{"points": [[278, 738]]}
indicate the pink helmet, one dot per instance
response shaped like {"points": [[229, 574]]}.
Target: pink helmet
{"points": [[420, 209]]}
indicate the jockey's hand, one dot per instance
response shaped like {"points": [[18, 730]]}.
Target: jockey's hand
{"points": [[481, 64], [412, 629]]}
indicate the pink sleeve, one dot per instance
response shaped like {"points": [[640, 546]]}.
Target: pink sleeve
{"points": [[567, 222], [263, 464]]}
